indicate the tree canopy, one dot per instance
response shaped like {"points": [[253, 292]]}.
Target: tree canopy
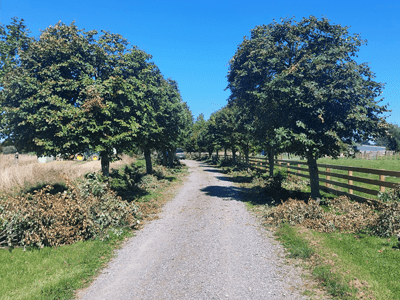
{"points": [[302, 84], [68, 92]]}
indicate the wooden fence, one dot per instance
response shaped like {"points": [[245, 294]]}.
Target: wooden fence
{"points": [[327, 172]]}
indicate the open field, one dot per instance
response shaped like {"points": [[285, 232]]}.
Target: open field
{"points": [[392, 165], [28, 172]]}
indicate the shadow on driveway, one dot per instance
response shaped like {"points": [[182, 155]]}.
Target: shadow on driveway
{"points": [[225, 192]]}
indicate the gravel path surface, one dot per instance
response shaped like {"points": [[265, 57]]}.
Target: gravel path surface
{"points": [[205, 245]]}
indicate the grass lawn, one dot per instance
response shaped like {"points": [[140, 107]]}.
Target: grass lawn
{"points": [[350, 266], [55, 273]]}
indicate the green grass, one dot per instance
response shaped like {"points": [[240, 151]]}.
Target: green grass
{"points": [[360, 256], [297, 246], [369, 258], [53, 273]]}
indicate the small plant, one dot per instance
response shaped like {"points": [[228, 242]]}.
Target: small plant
{"points": [[332, 282], [388, 222], [390, 196]]}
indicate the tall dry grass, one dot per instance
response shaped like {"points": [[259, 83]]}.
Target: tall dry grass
{"points": [[28, 172]]}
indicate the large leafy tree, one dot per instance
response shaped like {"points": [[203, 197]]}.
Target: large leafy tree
{"points": [[175, 121], [302, 80], [71, 92]]}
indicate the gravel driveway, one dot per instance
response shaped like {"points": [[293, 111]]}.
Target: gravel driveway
{"points": [[205, 245]]}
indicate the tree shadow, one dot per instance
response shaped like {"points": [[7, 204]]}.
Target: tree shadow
{"points": [[55, 188], [213, 170], [268, 192], [225, 192], [236, 179]]}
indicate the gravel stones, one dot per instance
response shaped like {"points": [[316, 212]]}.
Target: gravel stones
{"points": [[205, 245]]}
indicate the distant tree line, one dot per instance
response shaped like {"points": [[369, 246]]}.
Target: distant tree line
{"points": [[71, 90]]}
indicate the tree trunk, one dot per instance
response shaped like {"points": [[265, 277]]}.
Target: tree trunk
{"points": [[246, 155], [314, 177], [105, 164], [233, 155], [271, 156], [147, 157], [171, 158], [217, 154], [225, 153], [164, 157]]}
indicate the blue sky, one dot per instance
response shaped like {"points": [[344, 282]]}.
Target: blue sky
{"points": [[192, 41]]}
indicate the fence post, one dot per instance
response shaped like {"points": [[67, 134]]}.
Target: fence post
{"points": [[328, 177], [279, 163], [288, 168], [350, 182], [382, 178]]}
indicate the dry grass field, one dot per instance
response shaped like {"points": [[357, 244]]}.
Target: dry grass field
{"points": [[28, 172]]}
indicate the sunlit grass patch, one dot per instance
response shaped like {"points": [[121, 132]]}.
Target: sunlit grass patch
{"points": [[53, 273]]}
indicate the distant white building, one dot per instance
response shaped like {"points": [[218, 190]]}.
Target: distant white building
{"points": [[369, 149]]}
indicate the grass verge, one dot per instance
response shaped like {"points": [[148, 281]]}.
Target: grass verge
{"points": [[54, 273]]}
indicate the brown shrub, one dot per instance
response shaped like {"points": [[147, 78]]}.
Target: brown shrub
{"points": [[343, 215], [45, 219]]}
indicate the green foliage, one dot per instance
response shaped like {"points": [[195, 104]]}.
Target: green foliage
{"points": [[391, 195], [300, 82], [70, 92], [13, 38], [392, 138], [199, 134], [8, 150]]}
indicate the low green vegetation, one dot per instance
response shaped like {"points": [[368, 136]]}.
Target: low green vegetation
{"points": [[37, 271], [54, 273], [298, 247], [350, 248]]}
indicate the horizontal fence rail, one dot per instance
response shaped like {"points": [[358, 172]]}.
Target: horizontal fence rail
{"points": [[300, 169]]}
